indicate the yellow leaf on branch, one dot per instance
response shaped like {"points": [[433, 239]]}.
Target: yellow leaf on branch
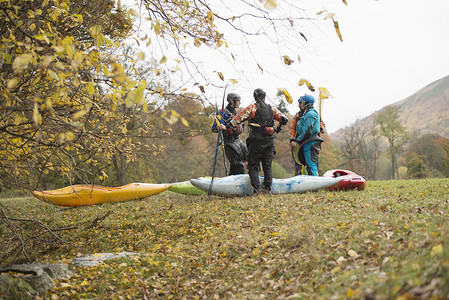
{"points": [[210, 17], [184, 121], [197, 42], [36, 116], [70, 136], [21, 62], [77, 59], [12, 83], [79, 114], [157, 27], [141, 55]]}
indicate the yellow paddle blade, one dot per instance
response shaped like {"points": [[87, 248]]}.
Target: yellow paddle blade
{"points": [[295, 154]]}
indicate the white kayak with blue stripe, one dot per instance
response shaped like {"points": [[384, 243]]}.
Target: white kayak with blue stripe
{"points": [[236, 185]]}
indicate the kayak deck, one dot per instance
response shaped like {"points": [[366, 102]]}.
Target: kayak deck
{"points": [[82, 195]]}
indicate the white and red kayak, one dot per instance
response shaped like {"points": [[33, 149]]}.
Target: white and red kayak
{"points": [[239, 185]]}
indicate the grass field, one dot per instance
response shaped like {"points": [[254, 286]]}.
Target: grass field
{"points": [[389, 241]]}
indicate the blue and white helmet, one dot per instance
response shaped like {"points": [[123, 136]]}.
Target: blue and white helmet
{"points": [[307, 99]]}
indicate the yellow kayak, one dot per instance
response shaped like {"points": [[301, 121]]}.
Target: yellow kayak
{"points": [[82, 195]]}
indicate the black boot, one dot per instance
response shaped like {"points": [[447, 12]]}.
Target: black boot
{"points": [[266, 190], [257, 191]]}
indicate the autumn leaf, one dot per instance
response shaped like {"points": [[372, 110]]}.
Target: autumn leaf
{"points": [[141, 55], [90, 88], [136, 95], [70, 136], [184, 121], [77, 59], [436, 250], [21, 62], [270, 4], [12, 83], [59, 49], [53, 75], [172, 118], [337, 29], [197, 42], [157, 27], [210, 17], [309, 86], [220, 75], [79, 114], [286, 94], [118, 73], [36, 115], [163, 60], [287, 60], [350, 293], [233, 81]]}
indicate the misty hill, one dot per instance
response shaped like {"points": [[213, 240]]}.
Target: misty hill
{"points": [[426, 111]]}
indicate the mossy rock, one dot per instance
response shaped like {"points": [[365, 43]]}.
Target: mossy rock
{"points": [[15, 288]]}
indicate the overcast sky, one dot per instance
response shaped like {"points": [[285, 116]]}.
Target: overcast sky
{"points": [[390, 49]]}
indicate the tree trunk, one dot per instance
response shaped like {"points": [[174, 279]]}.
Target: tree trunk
{"points": [[393, 162], [120, 166]]}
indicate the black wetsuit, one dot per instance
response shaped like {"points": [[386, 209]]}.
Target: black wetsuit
{"points": [[235, 149]]}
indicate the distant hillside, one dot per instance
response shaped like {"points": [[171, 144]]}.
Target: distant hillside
{"points": [[426, 111]]}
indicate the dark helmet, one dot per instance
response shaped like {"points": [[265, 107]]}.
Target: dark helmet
{"points": [[259, 94], [233, 97], [308, 99]]}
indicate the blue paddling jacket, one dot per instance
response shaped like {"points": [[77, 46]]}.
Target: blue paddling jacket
{"points": [[308, 125]]}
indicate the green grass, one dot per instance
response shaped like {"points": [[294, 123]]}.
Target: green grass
{"points": [[388, 241]]}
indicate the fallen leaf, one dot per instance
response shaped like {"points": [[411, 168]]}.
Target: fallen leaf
{"points": [[438, 249]]}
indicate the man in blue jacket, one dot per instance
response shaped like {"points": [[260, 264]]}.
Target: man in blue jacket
{"points": [[307, 135]]}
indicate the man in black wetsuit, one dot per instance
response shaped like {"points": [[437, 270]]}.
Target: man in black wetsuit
{"points": [[260, 142], [235, 149]]}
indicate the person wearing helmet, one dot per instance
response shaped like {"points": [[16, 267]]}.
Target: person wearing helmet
{"points": [[235, 150], [260, 142], [306, 138], [298, 115]]}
